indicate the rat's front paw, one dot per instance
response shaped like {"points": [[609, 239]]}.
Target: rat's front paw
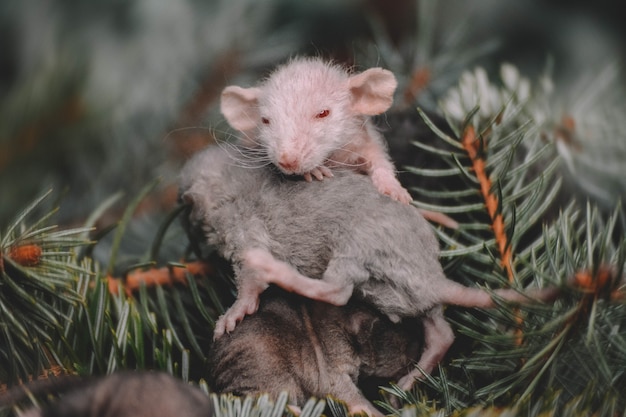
{"points": [[386, 183], [319, 173], [225, 324], [228, 321]]}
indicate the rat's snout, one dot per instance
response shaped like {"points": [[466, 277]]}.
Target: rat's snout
{"points": [[288, 163]]}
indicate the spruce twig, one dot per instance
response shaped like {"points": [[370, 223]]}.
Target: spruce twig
{"points": [[38, 267], [522, 351]]}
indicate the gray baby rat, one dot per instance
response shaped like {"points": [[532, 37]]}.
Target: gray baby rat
{"points": [[121, 394], [312, 349], [326, 240], [311, 114]]}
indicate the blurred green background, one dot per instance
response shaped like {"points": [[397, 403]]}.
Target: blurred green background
{"points": [[103, 96]]}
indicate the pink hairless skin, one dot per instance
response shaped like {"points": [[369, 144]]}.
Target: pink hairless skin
{"points": [[311, 115]]}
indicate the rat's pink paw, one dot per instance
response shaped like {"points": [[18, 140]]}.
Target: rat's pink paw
{"points": [[228, 321], [319, 173], [294, 409], [406, 382], [220, 328], [365, 409], [386, 183]]}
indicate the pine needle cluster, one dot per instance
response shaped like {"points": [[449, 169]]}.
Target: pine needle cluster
{"points": [[533, 177], [520, 228]]}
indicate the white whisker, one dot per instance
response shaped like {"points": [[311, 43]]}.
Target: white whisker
{"points": [[183, 129], [245, 157], [343, 163]]}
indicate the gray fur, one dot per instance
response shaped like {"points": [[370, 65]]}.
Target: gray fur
{"points": [[326, 240], [366, 238]]}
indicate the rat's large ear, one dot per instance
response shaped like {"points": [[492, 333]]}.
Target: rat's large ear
{"points": [[361, 324], [240, 107], [372, 91]]}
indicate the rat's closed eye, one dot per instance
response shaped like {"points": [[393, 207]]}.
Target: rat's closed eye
{"points": [[265, 120], [322, 114]]}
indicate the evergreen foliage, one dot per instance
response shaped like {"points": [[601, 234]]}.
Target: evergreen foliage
{"points": [[531, 170]]}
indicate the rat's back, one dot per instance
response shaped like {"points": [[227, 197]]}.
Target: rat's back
{"points": [[346, 218], [380, 242]]}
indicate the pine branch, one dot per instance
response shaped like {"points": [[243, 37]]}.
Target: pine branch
{"points": [[38, 266], [507, 237], [164, 276], [71, 322], [232, 406], [425, 65], [162, 319]]}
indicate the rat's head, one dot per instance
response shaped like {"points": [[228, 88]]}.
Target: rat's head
{"points": [[307, 109]]}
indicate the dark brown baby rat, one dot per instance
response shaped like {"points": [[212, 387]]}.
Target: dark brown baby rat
{"points": [[312, 349], [327, 240], [121, 394]]}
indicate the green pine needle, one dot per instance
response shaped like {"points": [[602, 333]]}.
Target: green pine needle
{"points": [[39, 270], [575, 345]]}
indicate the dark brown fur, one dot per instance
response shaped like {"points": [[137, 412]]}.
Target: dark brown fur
{"points": [[122, 394], [312, 349]]}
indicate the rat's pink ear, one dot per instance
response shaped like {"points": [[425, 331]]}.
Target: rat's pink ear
{"points": [[240, 107], [372, 91]]}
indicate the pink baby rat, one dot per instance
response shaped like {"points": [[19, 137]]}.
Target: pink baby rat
{"points": [[327, 240], [311, 115]]}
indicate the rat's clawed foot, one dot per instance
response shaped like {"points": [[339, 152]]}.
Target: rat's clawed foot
{"points": [[220, 326], [247, 303], [228, 321], [319, 173], [294, 409], [406, 382], [386, 183], [365, 410]]}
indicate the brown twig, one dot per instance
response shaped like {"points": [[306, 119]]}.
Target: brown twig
{"points": [[419, 80], [209, 90], [475, 149], [55, 370], [599, 283], [566, 132], [167, 275], [185, 138], [26, 255], [69, 112]]}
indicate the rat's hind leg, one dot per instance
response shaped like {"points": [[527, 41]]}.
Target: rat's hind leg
{"points": [[273, 271], [258, 269], [438, 338], [345, 389]]}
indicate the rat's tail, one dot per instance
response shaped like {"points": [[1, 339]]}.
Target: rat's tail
{"points": [[440, 218], [457, 294]]}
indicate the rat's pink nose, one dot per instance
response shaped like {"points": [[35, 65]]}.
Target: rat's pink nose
{"points": [[288, 163]]}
